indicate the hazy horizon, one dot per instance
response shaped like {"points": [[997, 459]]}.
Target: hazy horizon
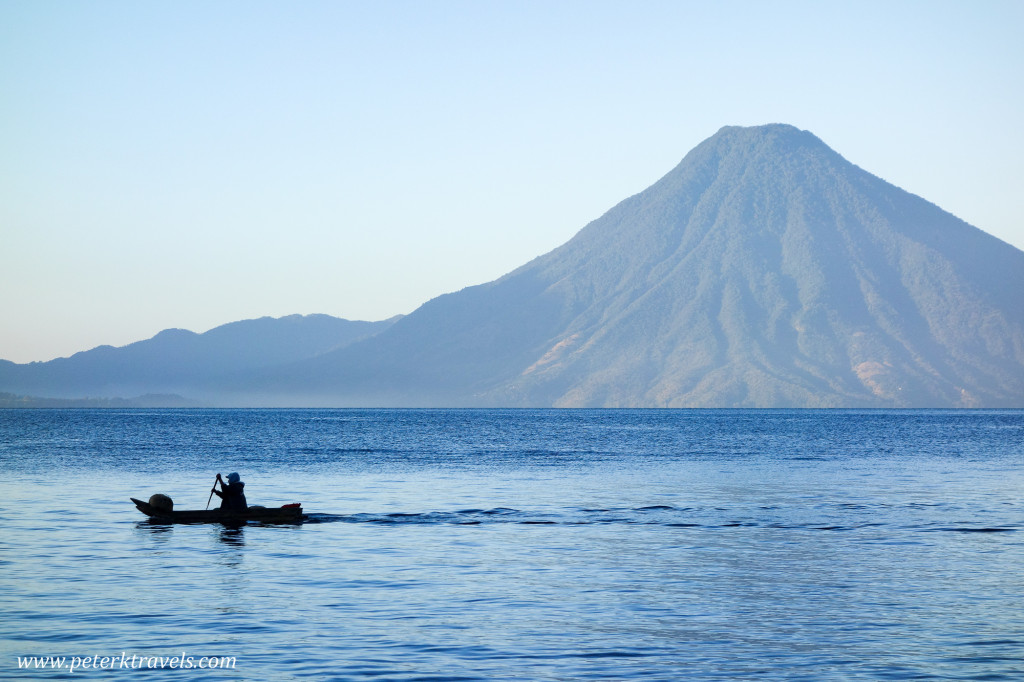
{"points": [[192, 165]]}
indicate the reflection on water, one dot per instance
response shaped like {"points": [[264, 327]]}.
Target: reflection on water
{"points": [[232, 536], [155, 530]]}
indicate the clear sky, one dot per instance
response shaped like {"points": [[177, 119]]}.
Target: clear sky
{"points": [[188, 164]]}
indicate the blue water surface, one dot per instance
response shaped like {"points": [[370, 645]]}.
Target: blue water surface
{"points": [[520, 544]]}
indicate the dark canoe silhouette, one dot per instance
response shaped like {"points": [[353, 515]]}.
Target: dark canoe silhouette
{"points": [[289, 513]]}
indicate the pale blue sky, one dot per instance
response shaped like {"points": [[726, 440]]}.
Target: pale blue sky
{"points": [[187, 164]]}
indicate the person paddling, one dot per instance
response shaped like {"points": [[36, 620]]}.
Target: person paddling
{"points": [[231, 493]]}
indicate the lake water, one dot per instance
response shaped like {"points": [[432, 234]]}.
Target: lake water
{"points": [[517, 545]]}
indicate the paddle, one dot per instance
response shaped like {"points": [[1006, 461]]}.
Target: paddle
{"points": [[211, 491]]}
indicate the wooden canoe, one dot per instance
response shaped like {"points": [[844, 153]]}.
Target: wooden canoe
{"points": [[290, 513]]}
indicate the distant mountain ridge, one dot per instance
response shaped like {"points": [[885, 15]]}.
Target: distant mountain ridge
{"points": [[765, 270], [177, 361]]}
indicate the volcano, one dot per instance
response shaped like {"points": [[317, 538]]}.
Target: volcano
{"points": [[765, 270]]}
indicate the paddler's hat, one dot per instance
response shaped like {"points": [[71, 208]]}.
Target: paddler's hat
{"points": [[233, 477]]}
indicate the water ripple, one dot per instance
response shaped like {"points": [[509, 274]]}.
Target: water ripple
{"points": [[667, 516]]}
